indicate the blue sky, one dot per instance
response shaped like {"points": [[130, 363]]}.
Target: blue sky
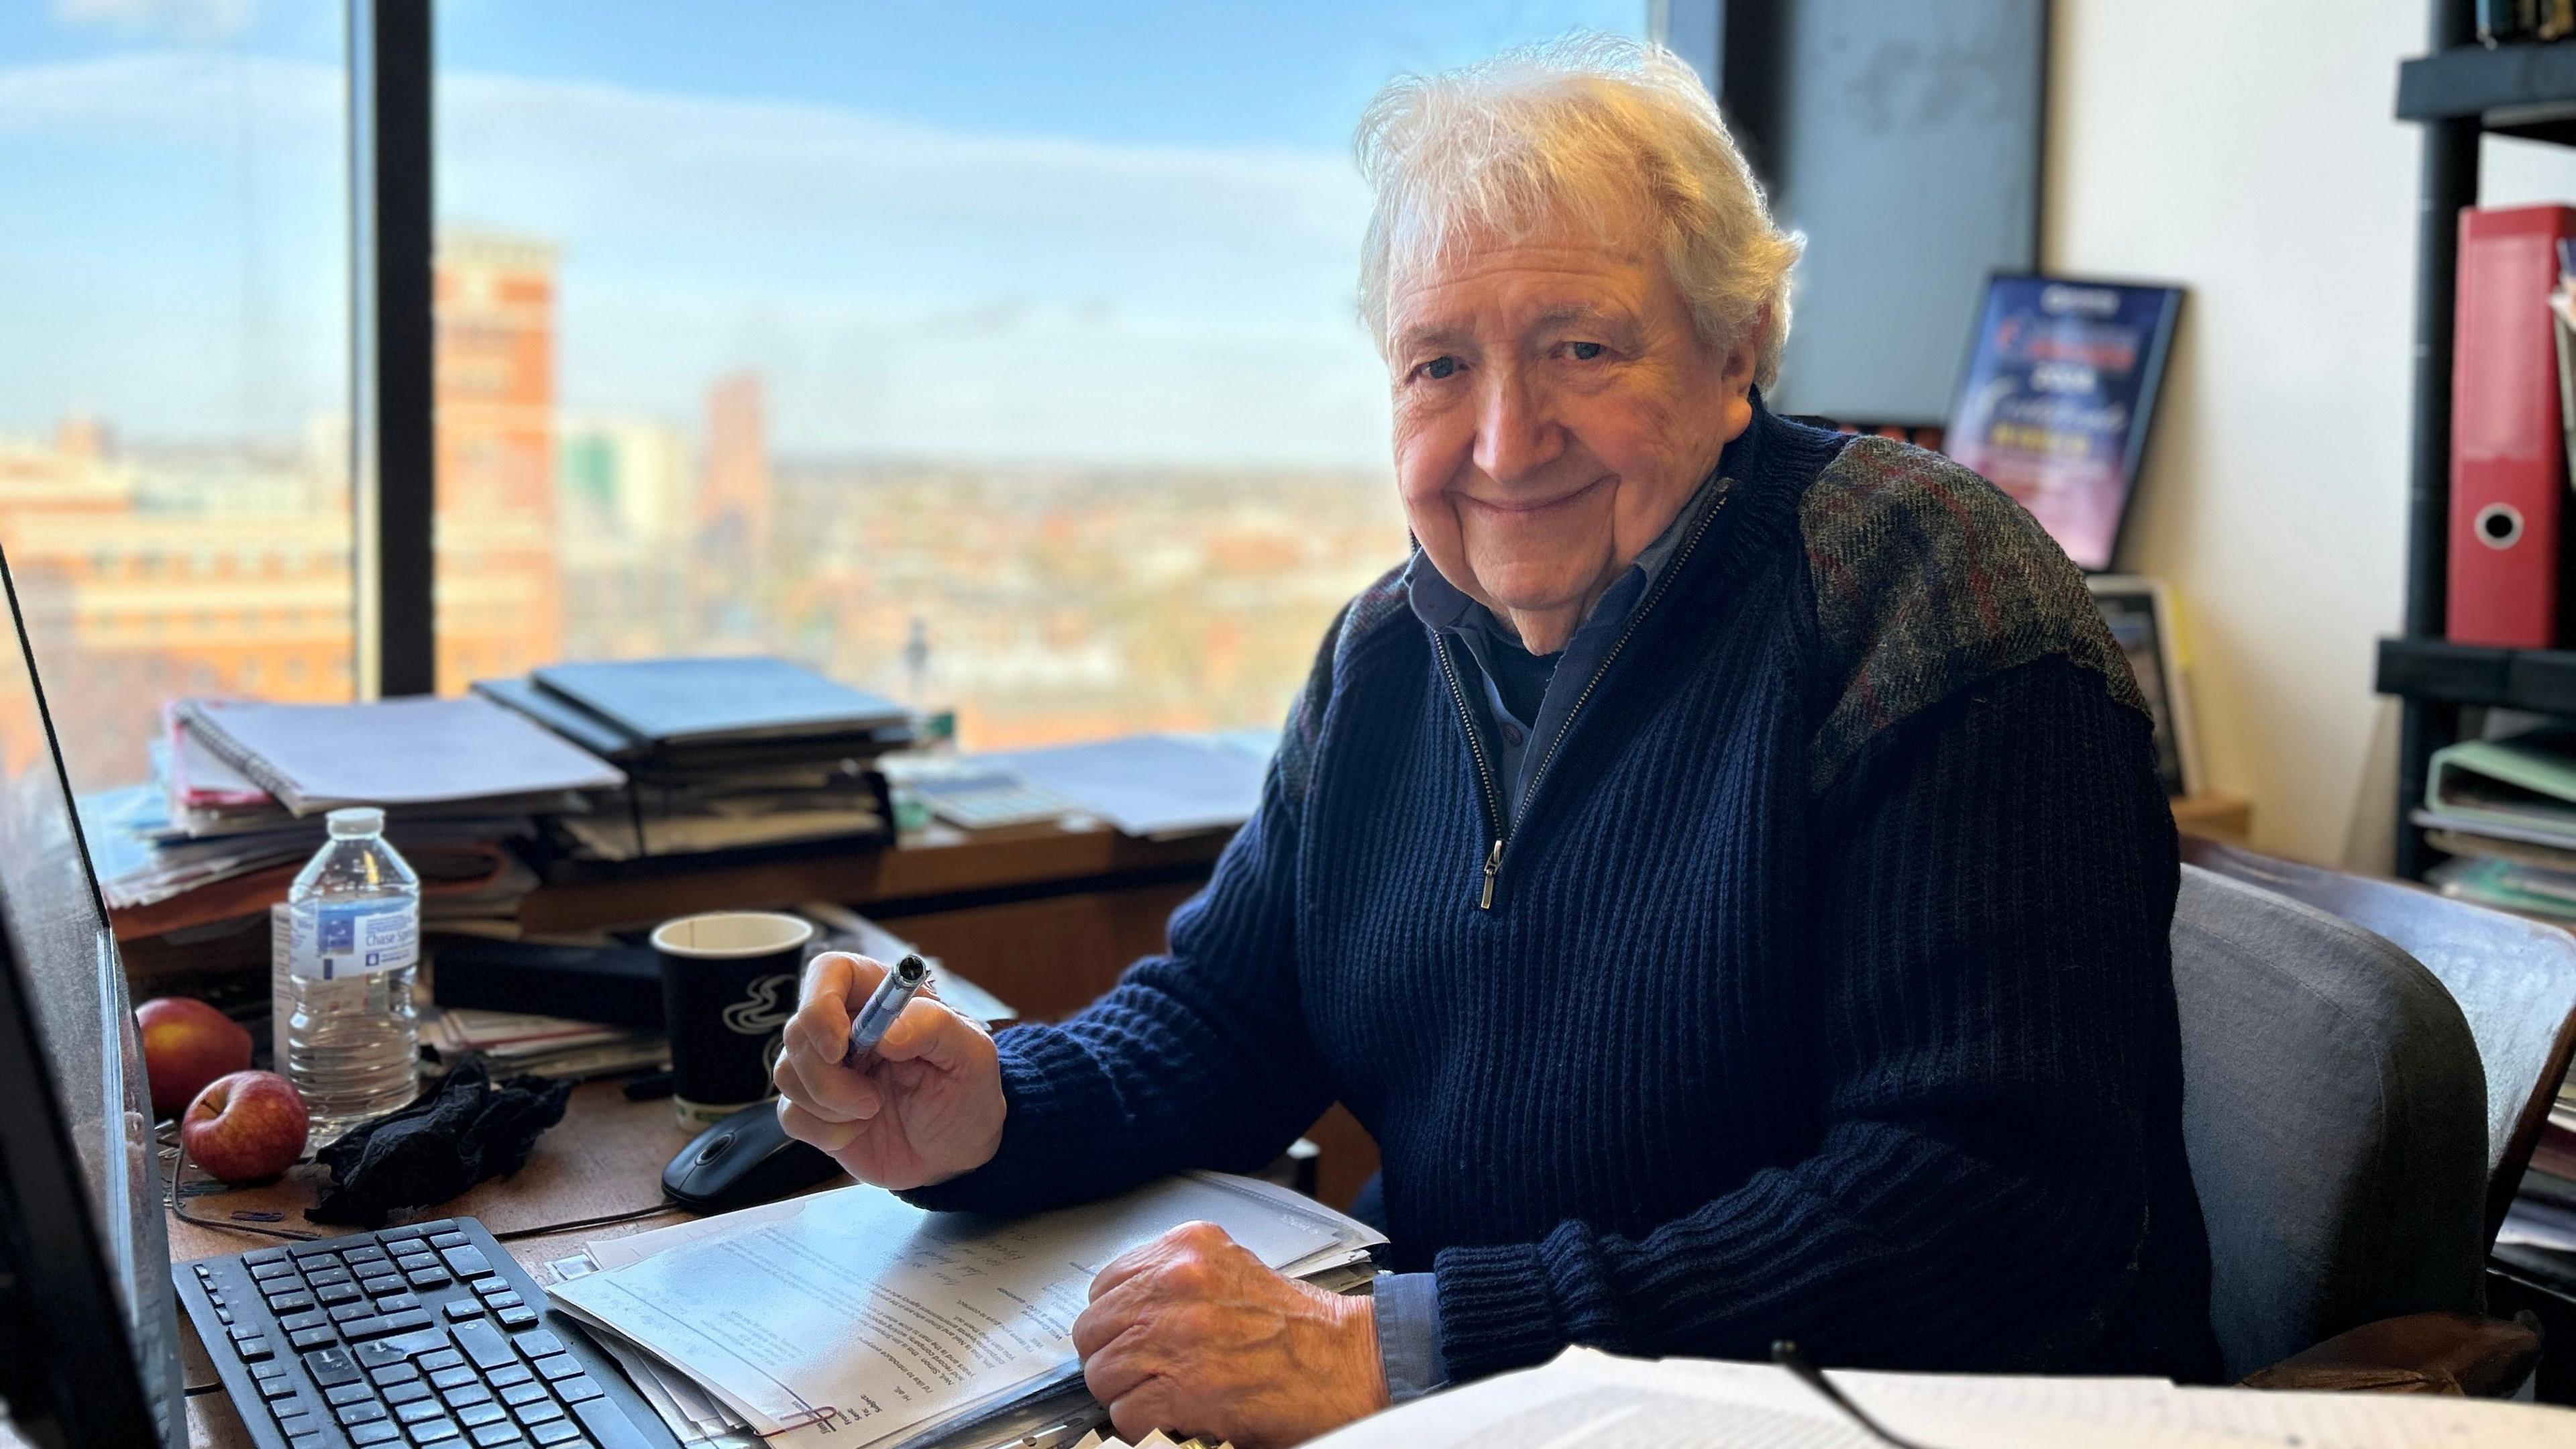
{"points": [[1097, 231]]}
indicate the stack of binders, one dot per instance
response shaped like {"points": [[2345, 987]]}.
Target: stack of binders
{"points": [[2505, 811], [742, 754]]}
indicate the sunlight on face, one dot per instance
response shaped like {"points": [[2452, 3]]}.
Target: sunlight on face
{"points": [[1554, 409]]}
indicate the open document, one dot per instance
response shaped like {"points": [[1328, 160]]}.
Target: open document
{"points": [[854, 1314], [1590, 1400]]}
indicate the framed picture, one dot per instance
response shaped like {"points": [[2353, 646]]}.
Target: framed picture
{"points": [[2055, 403], [2140, 617]]}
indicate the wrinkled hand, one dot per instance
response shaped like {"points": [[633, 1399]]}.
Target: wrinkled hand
{"points": [[929, 1105], [1192, 1334]]}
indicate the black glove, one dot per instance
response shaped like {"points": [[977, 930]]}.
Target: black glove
{"points": [[436, 1148]]}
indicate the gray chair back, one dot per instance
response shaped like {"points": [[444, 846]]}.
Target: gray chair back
{"points": [[2514, 979], [2335, 1118]]}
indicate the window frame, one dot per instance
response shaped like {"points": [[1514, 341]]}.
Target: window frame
{"points": [[392, 347]]}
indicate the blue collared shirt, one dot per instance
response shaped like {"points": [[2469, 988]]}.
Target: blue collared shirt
{"points": [[1408, 1304], [1515, 723]]}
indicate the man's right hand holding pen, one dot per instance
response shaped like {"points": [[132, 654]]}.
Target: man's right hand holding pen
{"points": [[925, 1106]]}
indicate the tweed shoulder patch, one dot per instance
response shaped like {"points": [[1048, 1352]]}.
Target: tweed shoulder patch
{"points": [[1928, 578]]}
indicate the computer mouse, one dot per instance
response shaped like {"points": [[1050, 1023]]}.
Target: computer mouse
{"points": [[746, 1159]]}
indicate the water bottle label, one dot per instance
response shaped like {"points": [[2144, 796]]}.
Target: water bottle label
{"points": [[335, 941]]}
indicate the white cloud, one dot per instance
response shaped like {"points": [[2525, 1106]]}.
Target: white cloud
{"points": [[915, 288], [632, 173], [197, 20], [170, 96], [906, 287]]}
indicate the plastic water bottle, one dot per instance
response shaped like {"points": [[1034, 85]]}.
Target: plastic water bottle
{"points": [[349, 1036]]}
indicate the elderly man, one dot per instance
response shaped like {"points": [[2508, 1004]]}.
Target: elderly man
{"points": [[1724, 866]]}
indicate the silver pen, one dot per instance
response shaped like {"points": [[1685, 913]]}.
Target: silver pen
{"points": [[894, 992]]}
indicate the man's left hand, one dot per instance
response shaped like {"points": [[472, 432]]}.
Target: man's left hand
{"points": [[1192, 1334]]}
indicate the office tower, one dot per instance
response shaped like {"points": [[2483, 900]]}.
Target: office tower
{"points": [[734, 500], [624, 483], [500, 595], [626, 492]]}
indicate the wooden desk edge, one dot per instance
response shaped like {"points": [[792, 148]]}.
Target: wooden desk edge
{"points": [[929, 869], [2223, 817]]}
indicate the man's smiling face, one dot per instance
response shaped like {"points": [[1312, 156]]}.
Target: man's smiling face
{"points": [[1554, 409]]}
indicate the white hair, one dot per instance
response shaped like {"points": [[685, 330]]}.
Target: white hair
{"points": [[1587, 126]]}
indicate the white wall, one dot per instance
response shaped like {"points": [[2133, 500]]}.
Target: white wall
{"points": [[2248, 152]]}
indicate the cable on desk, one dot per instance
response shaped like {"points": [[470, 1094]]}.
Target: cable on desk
{"points": [[603, 1220], [179, 1210]]}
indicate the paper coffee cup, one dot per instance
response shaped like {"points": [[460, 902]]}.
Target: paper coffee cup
{"points": [[728, 988]]}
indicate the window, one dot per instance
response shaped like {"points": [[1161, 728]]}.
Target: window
{"points": [[993, 355], [173, 355]]}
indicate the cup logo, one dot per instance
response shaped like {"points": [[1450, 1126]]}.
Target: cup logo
{"points": [[765, 1007]]}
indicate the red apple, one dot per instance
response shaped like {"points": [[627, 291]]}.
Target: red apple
{"points": [[246, 1126], [186, 1044]]}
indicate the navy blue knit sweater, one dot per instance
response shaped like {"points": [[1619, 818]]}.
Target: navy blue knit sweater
{"points": [[1823, 992]]}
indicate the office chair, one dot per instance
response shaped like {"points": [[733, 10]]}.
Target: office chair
{"points": [[2514, 979], [2335, 1114]]}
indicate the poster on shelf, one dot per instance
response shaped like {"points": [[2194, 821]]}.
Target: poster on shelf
{"points": [[2056, 401]]}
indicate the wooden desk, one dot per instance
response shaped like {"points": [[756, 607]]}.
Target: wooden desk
{"points": [[936, 870], [1045, 918], [2219, 817], [933, 869]]}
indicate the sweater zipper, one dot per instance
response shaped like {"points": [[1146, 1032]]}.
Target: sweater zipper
{"points": [[1635, 619], [1493, 798]]}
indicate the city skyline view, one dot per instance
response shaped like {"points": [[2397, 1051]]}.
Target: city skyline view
{"points": [[983, 229], [797, 331]]}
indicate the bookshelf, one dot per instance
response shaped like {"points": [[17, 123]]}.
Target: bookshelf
{"points": [[2455, 94], [2513, 90]]}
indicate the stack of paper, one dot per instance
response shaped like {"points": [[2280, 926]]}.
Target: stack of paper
{"points": [[162, 875], [1586, 1399], [1153, 786], [850, 1320], [546, 1046], [240, 787], [2543, 1216]]}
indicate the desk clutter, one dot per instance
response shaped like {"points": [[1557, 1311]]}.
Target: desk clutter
{"points": [[927, 1328], [588, 775], [491, 794], [240, 791], [844, 1318], [717, 754], [1590, 1398]]}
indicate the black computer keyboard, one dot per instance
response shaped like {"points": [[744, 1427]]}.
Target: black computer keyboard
{"points": [[428, 1335]]}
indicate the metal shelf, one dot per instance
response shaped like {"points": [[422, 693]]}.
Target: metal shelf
{"points": [[2454, 94], [2514, 90], [2542, 681]]}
